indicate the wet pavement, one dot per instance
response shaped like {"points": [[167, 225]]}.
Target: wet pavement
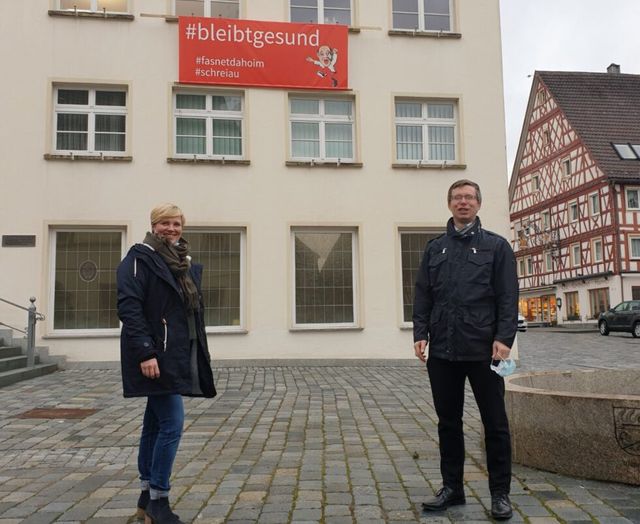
{"points": [[288, 443]]}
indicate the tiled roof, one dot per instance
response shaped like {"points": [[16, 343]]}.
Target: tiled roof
{"points": [[603, 108]]}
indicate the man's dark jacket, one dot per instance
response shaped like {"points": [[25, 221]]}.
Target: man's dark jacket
{"points": [[155, 325], [466, 294]]}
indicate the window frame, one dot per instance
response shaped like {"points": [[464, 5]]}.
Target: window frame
{"points": [[631, 239], [573, 205], [425, 122], [566, 167], [209, 115], [93, 9], [207, 8], [545, 220], [548, 262], [522, 267], [572, 254], [529, 266], [91, 110], [594, 294], [421, 20], [535, 183], [242, 230], [54, 229], [322, 119], [595, 241], [355, 277], [594, 197], [409, 231], [319, 11], [636, 189]]}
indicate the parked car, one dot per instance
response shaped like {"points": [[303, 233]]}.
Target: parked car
{"points": [[522, 323], [624, 317]]}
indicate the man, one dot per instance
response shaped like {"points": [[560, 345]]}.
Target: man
{"points": [[465, 314]]}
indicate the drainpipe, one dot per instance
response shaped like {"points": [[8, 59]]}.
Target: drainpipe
{"points": [[616, 229]]}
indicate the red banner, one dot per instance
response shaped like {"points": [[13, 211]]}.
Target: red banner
{"points": [[269, 54]]}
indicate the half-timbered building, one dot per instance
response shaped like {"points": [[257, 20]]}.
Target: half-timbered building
{"points": [[575, 196]]}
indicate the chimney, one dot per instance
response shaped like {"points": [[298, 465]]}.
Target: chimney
{"points": [[613, 69]]}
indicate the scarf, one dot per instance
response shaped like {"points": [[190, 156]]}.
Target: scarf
{"points": [[176, 256]]}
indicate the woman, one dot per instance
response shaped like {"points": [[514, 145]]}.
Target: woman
{"points": [[163, 348]]}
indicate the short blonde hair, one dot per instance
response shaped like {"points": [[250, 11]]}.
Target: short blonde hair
{"points": [[166, 210]]}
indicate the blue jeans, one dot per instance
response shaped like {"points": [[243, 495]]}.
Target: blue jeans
{"points": [[161, 432]]}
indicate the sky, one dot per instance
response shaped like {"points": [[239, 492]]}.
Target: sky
{"points": [[562, 35]]}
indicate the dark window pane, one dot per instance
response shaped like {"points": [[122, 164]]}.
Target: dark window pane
{"points": [[111, 98], [73, 96]]}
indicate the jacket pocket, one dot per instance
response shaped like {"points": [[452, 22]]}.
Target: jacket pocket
{"points": [[436, 267], [479, 267]]}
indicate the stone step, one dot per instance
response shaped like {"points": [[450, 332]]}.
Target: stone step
{"points": [[10, 351], [9, 363], [17, 375]]}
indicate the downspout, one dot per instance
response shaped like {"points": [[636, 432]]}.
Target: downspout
{"points": [[616, 229]]}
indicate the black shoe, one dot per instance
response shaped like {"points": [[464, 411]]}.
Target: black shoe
{"points": [[444, 498], [159, 512], [143, 502], [501, 507]]}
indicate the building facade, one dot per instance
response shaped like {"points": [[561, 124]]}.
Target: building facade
{"points": [[574, 196], [309, 208]]}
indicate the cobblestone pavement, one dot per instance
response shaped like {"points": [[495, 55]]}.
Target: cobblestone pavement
{"points": [[333, 444]]}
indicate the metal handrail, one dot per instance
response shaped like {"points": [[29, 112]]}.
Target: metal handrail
{"points": [[30, 332], [13, 327]]}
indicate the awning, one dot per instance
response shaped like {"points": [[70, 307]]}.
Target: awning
{"points": [[538, 291]]}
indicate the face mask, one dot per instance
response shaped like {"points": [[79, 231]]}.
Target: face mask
{"points": [[504, 367]]}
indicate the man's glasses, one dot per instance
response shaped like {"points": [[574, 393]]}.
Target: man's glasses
{"points": [[460, 198]]}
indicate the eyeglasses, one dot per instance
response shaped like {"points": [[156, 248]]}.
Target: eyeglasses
{"points": [[460, 198]]}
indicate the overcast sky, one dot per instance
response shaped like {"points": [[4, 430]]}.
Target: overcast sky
{"points": [[562, 35]]}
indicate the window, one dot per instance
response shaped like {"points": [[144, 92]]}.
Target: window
{"points": [[546, 220], [521, 268], [575, 255], [596, 250], [83, 264], [542, 97], [535, 182], [546, 137], [599, 301], [210, 8], [412, 246], [573, 211], [422, 15], [633, 198], [322, 129], [548, 262], [627, 151], [594, 204], [425, 131], [572, 305], [108, 6], [321, 11], [566, 168], [325, 262], [208, 125], [529, 261], [634, 247], [222, 254], [90, 120]]}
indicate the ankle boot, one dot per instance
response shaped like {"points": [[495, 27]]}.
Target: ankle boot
{"points": [[143, 502], [159, 512]]}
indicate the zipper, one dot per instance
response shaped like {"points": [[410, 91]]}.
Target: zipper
{"points": [[166, 333]]}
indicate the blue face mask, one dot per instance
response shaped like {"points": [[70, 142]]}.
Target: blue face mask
{"points": [[504, 367]]}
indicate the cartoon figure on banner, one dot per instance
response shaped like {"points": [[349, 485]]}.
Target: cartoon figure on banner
{"points": [[327, 58]]}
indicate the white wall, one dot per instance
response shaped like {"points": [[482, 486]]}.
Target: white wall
{"points": [[267, 197]]}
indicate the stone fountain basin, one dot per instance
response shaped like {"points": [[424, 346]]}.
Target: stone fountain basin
{"points": [[578, 423]]}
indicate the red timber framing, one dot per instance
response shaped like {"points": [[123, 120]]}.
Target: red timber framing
{"points": [[571, 229]]}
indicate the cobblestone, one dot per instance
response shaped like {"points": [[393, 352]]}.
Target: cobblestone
{"points": [[288, 443]]}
